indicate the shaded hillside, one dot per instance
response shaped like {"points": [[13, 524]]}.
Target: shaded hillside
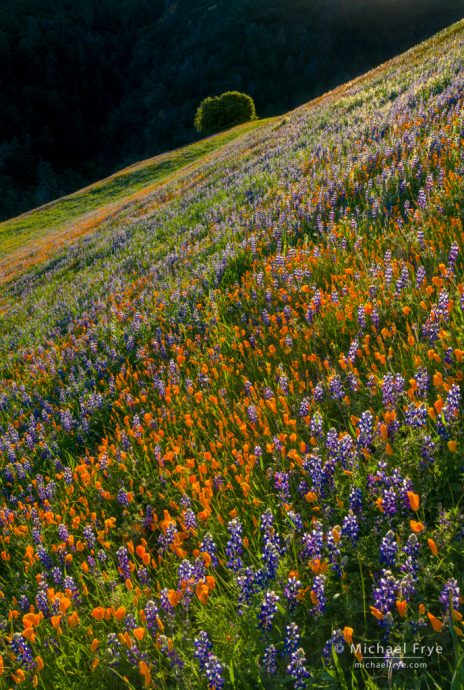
{"points": [[88, 87]]}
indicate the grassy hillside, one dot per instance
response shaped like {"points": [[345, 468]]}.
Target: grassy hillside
{"points": [[29, 239], [89, 87], [231, 416]]}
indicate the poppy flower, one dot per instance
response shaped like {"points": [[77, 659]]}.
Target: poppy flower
{"points": [[436, 623], [348, 635], [414, 501], [375, 612], [417, 527]]}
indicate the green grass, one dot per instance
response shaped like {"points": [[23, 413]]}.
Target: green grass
{"points": [[17, 232]]}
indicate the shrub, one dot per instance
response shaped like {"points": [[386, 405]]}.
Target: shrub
{"points": [[220, 112]]}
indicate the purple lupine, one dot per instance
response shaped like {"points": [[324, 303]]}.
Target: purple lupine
{"points": [[428, 450], [208, 662], [316, 425], [70, 584], [24, 603], [356, 500], [165, 603], [123, 498], [57, 575], [451, 407], [270, 660], [123, 562], [346, 451], [449, 356], [268, 610], [66, 420], [334, 550], [89, 536], [271, 556], [416, 416], [282, 382], [203, 647], [185, 572], [214, 673], [143, 575], [402, 281], [148, 521], [292, 638], [41, 601], [190, 519], [297, 670], [453, 257], [313, 466], [335, 640], [384, 593], [113, 649], [252, 414], [412, 546], [246, 582], [422, 199], [366, 429], [388, 549], [353, 351], [407, 585], [44, 557], [234, 548], [319, 593], [296, 520], [319, 392], [336, 388], [282, 485], [392, 388], [291, 591], [22, 651], [350, 527], [208, 546], [421, 275], [422, 379], [63, 533], [304, 408], [165, 540], [129, 621], [362, 318], [312, 542], [450, 595], [389, 502]]}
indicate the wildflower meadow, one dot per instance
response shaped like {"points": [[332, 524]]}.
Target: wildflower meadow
{"points": [[231, 437]]}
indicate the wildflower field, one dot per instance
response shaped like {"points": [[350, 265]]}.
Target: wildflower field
{"points": [[231, 438]]}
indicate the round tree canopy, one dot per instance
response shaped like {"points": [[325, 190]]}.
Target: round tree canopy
{"points": [[221, 112]]}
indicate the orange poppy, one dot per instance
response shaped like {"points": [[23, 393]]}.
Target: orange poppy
{"points": [[414, 501], [417, 527], [435, 622], [375, 612]]}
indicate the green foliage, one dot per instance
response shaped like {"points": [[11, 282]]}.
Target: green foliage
{"points": [[221, 112]]}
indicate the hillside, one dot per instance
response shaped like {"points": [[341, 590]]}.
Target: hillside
{"points": [[29, 239], [89, 87], [231, 412]]}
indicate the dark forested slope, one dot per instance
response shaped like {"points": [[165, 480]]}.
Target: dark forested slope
{"points": [[87, 87]]}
